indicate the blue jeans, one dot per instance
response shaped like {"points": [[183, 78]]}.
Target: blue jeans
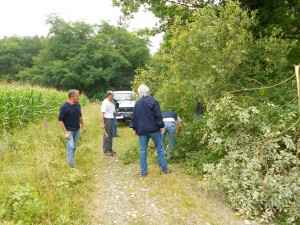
{"points": [[71, 145], [170, 128], [143, 141]]}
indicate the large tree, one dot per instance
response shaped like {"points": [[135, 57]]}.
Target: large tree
{"points": [[16, 53], [92, 58], [283, 15]]}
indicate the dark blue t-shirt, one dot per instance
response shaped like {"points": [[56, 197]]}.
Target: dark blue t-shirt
{"points": [[70, 115]]}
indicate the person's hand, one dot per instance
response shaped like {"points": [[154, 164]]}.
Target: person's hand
{"points": [[67, 135], [83, 129], [162, 130], [102, 126]]}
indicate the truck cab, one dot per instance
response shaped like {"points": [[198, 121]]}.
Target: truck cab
{"points": [[126, 100]]}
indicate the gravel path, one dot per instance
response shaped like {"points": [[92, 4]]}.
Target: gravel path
{"points": [[123, 197]]}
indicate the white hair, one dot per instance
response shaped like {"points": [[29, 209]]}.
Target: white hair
{"points": [[143, 90]]}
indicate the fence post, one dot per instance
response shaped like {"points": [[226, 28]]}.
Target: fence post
{"points": [[298, 83], [298, 87]]}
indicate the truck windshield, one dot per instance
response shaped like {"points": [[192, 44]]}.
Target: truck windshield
{"points": [[123, 96]]}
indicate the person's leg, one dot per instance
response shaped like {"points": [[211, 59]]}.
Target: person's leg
{"points": [[157, 139], [76, 135], [70, 149], [105, 138], [110, 132], [172, 133], [163, 135], [143, 142]]}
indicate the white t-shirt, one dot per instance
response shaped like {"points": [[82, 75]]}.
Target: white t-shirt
{"points": [[108, 108], [170, 119]]}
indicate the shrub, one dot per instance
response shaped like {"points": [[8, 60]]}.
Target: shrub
{"points": [[21, 204], [191, 148], [260, 169], [131, 155]]}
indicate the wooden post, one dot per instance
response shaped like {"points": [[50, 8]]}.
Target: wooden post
{"points": [[298, 87], [298, 83]]}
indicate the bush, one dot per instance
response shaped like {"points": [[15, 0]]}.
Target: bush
{"points": [[260, 169], [131, 155], [191, 148], [20, 204]]}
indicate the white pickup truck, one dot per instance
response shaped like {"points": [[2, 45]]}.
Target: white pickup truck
{"points": [[126, 100]]}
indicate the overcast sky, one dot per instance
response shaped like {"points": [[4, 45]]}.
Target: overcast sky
{"points": [[27, 17]]}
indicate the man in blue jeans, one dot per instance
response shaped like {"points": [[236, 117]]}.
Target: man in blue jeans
{"points": [[173, 125], [69, 119], [147, 123]]}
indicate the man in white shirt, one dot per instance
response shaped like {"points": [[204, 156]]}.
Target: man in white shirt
{"points": [[107, 117]]}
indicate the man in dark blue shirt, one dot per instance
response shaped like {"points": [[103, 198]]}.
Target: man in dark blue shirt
{"points": [[69, 119], [147, 123]]}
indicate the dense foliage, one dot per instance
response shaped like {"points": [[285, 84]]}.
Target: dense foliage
{"points": [[247, 139], [21, 105], [217, 53], [16, 54], [282, 15], [90, 58], [260, 170]]}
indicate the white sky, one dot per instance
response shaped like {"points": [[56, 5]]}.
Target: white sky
{"points": [[27, 17]]}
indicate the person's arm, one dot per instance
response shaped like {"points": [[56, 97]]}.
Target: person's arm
{"points": [[102, 120], [62, 125], [103, 109], [158, 117], [82, 124], [179, 126]]}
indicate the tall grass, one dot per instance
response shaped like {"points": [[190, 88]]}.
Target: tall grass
{"points": [[22, 104], [36, 185]]}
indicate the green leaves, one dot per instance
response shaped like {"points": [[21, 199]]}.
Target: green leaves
{"points": [[90, 58], [17, 53], [260, 168], [21, 105]]}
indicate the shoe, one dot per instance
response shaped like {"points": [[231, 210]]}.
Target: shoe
{"points": [[72, 166], [108, 153], [165, 171], [113, 152], [144, 175], [117, 135]]}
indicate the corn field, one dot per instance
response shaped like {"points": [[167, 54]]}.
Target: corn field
{"points": [[23, 104]]}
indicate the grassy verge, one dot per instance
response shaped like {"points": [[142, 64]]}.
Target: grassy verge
{"points": [[36, 186]]}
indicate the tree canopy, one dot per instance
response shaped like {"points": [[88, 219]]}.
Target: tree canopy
{"points": [[243, 72], [91, 58], [16, 54]]}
